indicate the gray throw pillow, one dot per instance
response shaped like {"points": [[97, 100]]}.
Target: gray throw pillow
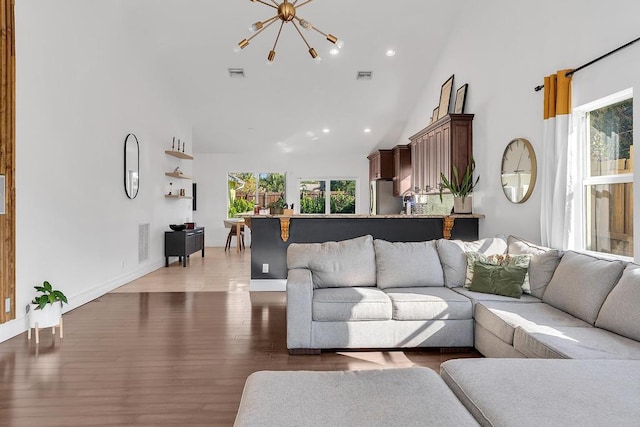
{"points": [[346, 263], [454, 260], [542, 265], [581, 283], [620, 312], [407, 264]]}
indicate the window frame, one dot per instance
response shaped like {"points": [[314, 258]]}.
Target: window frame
{"points": [[584, 181], [256, 176], [327, 199]]}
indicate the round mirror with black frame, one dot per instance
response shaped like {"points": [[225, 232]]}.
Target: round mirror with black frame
{"points": [[131, 166], [519, 169]]}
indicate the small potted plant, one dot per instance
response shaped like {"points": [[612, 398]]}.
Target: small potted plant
{"points": [[46, 308], [461, 189], [277, 207]]}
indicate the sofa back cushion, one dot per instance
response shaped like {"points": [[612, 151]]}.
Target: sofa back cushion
{"points": [[542, 264], [407, 264], [620, 312], [346, 263], [581, 283], [454, 260]]}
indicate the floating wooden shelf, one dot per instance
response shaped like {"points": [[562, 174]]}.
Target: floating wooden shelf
{"points": [[179, 154], [178, 175], [171, 196]]}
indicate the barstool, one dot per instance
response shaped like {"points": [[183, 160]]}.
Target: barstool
{"points": [[233, 231]]}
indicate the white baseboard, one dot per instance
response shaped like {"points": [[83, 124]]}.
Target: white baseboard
{"points": [[20, 324], [268, 285]]}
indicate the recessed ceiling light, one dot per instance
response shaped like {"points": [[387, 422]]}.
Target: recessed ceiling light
{"points": [[334, 51], [390, 52], [326, 130], [367, 130]]}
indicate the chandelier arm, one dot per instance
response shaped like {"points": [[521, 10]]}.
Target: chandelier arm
{"points": [[275, 2], [303, 4], [300, 32], [270, 21], [267, 4], [278, 36]]}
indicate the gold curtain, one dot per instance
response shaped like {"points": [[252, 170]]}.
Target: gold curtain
{"points": [[557, 94], [7, 157]]}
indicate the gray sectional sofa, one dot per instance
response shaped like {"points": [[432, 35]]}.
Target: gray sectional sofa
{"points": [[366, 293]]}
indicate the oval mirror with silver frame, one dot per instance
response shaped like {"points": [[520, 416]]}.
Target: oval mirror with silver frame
{"points": [[519, 169], [131, 166]]}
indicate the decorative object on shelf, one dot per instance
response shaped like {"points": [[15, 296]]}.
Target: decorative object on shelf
{"points": [[170, 188], [177, 227], [177, 171], [460, 188], [46, 310], [445, 97], [183, 146], [519, 170], [131, 166], [287, 13], [461, 97], [173, 143]]}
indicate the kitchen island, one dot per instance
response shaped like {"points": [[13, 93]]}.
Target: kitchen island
{"points": [[271, 235]]}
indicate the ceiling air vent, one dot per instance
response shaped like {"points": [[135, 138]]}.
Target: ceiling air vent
{"points": [[364, 75], [236, 73]]}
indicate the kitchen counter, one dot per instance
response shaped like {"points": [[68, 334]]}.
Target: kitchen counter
{"points": [[271, 235]]}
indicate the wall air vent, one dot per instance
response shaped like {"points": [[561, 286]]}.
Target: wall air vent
{"points": [[364, 75], [236, 73]]}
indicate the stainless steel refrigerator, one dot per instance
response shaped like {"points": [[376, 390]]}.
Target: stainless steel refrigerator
{"points": [[382, 200]]}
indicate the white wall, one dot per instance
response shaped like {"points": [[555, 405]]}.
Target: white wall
{"points": [[82, 86], [211, 173], [503, 49]]}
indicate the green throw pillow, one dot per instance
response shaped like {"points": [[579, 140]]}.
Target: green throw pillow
{"points": [[503, 280]]}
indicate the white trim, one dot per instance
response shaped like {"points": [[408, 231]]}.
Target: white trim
{"points": [[268, 285], [623, 178], [614, 98]]}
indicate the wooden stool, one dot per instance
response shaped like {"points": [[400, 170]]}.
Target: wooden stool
{"points": [[233, 231]]}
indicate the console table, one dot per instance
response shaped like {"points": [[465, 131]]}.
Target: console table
{"points": [[183, 243]]}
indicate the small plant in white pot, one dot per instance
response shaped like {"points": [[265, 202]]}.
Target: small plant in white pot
{"points": [[461, 189], [45, 310]]}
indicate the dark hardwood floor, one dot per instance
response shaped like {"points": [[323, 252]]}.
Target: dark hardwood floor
{"points": [[165, 358]]}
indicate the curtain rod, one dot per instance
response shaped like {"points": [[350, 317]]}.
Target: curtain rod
{"points": [[570, 73]]}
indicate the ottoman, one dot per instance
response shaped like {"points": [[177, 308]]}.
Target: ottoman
{"points": [[547, 392], [391, 397]]}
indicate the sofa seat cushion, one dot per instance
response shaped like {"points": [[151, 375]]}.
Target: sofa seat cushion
{"points": [[561, 342], [534, 393], [336, 264], [620, 312], [479, 296], [407, 264], [346, 304], [429, 303], [502, 318], [581, 283]]}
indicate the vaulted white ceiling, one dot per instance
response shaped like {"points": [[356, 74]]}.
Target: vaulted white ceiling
{"points": [[286, 106]]}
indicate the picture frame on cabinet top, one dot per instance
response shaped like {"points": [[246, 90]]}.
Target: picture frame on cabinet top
{"points": [[445, 97], [461, 97]]}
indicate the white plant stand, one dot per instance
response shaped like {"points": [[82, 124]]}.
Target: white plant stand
{"points": [[49, 317]]}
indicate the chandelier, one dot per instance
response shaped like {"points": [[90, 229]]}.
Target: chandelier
{"points": [[287, 13]]}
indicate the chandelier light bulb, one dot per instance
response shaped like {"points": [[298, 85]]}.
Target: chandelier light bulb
{"points": [[306, 24], [334, 51], [340, 44], [255, 27]]}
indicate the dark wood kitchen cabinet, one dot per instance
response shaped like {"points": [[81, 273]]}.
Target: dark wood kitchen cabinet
{"points": [[401, 169], [183, 243], [438, 148], [381, 165]]}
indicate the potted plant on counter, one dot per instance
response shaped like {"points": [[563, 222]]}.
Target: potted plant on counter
{"points": [[277, 207], [461, 189], [46, 309]]}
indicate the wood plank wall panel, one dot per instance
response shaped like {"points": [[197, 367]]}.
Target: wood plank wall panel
{"points": [[7, 156]]}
